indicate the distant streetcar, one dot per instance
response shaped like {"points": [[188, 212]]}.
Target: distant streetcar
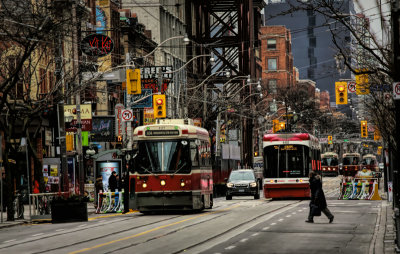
{"points": [[351, 164], [171, 168], [288, 159], [330, 163]]}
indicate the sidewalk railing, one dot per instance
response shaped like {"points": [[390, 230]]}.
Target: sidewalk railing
{"points": [[41, 205]]}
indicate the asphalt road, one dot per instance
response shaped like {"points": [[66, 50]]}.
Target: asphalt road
{"points": [[241, 225]]}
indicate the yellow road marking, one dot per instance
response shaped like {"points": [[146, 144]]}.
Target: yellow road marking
{"points": [[110, 215], [150, 230]]}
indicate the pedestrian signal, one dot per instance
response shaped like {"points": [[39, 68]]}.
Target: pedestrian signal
{"points": [[364, 129], [160, 106], [341, 92], [133, 81], [282, 125], [377, 134], [362, 86], [275, 126]]}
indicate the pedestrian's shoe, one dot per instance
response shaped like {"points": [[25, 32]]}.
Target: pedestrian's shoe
{"points": [[310, 221], [331, 219]]}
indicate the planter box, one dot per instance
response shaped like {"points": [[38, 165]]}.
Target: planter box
{"points": [[68, 211]]}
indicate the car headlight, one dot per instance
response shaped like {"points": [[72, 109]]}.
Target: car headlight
{"points": [[229, 185], [253, 184]]}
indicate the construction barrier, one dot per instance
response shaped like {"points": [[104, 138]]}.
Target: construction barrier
{"points": [[110, 202], [359, 188]]}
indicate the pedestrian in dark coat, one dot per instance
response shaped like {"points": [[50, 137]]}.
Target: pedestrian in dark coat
{"points": [[112, 181], [318, 197]]}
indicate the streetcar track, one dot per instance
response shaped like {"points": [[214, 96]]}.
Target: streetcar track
{"points": [[110, 234], [233, 228], [168, 233]]}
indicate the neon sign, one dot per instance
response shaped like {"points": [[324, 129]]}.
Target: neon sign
{"points": [[97, 45]]}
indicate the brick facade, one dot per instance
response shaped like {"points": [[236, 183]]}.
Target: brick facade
{"points": [[277, 58]]}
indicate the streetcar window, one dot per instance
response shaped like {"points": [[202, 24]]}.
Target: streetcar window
{"points": [[329, 161], [286, 161], [194, 155], [163, 156]]}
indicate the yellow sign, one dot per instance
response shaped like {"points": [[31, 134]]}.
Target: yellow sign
{"points": [[197, 122], [86, 111], [69, 140], [362, 86], [148, 116]]}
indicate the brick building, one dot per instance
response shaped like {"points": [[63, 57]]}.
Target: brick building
{"points": [[277, 58]]}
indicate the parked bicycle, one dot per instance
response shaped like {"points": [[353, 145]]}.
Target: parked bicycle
{"points": [[18, 206]]}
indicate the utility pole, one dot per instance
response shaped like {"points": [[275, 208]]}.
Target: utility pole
{"points": [[79, 155], [395, 15]]}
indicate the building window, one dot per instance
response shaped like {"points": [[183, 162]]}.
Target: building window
{"points": [[272, 86], [271, 44], [272, 64]]}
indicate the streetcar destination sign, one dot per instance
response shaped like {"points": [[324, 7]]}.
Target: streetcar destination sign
{"points": [[162, 132]]}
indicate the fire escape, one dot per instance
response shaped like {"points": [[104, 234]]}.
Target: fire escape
{"points": [[228, 29]]}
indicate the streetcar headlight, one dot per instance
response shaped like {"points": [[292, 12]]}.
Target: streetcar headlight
{"points": [[182, 183], [144, 185], [271, 181], [162, 182], [301, 180], [229, 185], [253, 184]]}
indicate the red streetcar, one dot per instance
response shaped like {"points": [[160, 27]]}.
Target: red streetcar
{"points": [[171, 167], [330, 163], [288, 158], [351, 164]]}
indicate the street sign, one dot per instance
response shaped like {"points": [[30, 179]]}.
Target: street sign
{"points": [[127, 115], [351, 86], [396, 91]]}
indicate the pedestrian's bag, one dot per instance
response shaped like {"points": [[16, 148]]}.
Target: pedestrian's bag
{"points": [[315, 210]]}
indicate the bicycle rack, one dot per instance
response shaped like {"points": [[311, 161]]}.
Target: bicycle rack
{"points": [[41, 204]]}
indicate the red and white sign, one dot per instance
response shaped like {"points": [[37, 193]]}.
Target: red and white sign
{"points": [[351, 86], [119, 124], [396, 91], [127, 115]]}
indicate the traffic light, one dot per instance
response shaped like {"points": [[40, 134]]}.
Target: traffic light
{"points": [[330, 140], [159, 106], [119, 138], [275, 126], [364, 129], [341, 92], [133, 82]]}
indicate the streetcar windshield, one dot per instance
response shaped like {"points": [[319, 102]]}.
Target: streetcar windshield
{"points": [[286, 161], [369, 161], [329, 161], [163, 156], [351, 160]]}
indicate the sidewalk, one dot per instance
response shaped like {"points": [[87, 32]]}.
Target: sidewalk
{"points": [[5, 223]]}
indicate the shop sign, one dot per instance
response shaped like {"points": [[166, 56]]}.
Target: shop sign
{"points": [[97, 45], [148, 116], [103, 129], [149, 77]]}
